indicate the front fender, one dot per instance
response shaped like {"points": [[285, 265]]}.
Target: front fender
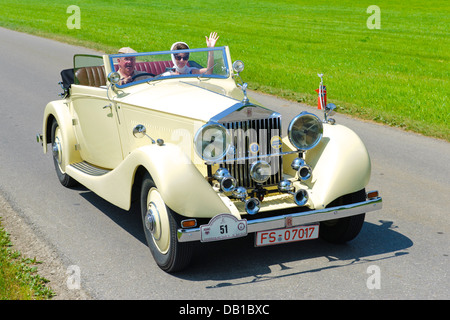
{"points": [[341, 165], [182, 186]]}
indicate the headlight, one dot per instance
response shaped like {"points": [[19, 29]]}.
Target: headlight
{"points": [[305, 131], [260, 171], [212, 141]]}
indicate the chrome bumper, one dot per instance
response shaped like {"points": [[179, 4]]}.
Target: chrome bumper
{"points": [[300, 218]]}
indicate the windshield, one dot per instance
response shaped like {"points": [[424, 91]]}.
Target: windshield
{"points": [[136, 68]]}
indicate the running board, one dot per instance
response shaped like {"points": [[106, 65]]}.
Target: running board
{"points": [[89, 169], [108, 184]]}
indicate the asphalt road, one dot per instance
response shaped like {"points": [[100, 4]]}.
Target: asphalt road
{"points": [[402, 251]]}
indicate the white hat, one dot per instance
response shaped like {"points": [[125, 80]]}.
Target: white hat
{"points": [[127, 50]]}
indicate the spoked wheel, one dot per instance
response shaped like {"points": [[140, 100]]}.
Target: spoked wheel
{"points": [[58, 156], [344, 229], [160, 230]]}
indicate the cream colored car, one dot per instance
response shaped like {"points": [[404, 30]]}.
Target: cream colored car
{"points": [[205, 163]]}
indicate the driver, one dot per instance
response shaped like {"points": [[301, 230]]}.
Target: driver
{"points": [[127, 66]]}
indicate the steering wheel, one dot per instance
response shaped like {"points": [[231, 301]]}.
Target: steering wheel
{"points": [[142, 75]]}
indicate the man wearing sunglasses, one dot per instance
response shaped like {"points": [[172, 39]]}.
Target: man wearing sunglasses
{"points": [[180, 60]]}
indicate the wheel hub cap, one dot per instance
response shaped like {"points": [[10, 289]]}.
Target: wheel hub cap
{"points": [[56, 149], [152, 221]]}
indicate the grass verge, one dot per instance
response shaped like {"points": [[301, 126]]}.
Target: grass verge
{"points": [[19, 279], [397, 75]]}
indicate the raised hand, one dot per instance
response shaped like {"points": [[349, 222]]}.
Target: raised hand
{"points": [[211, 41]]}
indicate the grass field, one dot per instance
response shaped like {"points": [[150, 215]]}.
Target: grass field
{"points": [[398, 74], [18, 276]]}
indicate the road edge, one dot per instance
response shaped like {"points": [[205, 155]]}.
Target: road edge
{"points": [[26, 240]]}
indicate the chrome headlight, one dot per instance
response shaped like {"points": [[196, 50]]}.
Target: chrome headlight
{"points": [[305, 131], [212, 141], [260, 171]]}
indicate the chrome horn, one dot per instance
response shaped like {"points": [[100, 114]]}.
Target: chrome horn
{"points": [[227, 182], [300, 196], [252, 205], [304, 170]]}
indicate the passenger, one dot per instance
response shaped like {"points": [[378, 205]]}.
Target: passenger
{"points": [[127, 66], [180, 60]]}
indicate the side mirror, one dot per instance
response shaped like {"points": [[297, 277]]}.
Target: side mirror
{"points": [[139, 131], [114, 78]]}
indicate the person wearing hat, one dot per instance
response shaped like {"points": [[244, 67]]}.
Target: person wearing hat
{"points": [[127, 66], [180, 60]]}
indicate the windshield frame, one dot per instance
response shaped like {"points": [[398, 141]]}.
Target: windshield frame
{"points": [[113, 57]]}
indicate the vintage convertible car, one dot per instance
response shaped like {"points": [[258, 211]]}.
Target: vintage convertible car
{"points": [[204, 163]]}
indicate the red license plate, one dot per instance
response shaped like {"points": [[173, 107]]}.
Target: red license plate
{"points": [[277, 236]]}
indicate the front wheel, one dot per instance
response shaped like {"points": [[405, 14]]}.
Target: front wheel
{"points": [[58, 155], [160, 230], [344, 229]]}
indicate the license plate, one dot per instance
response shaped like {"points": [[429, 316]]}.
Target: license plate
{"points": [[277, 236], [222, 227]]}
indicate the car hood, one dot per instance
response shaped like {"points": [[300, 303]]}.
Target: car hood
{"points": [[183, 99]]}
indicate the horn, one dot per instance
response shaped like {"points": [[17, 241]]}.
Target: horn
{"points": [[301, 197], [252, 206], [227, 182]]}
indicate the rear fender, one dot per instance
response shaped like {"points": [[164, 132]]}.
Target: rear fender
{"points": [[59, 110]]}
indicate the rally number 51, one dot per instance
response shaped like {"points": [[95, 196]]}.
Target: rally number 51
{"points": [[223, 229]]}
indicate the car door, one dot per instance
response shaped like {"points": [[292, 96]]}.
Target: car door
{"points": [[95, 117]]}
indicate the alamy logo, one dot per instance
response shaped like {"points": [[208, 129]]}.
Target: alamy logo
{"points": [[73, 281], [374, 280], [374, 21], [74, 21]]}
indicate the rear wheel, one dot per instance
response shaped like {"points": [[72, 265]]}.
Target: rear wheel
{"points": [[344, 229], [58, 156], [160, 230]]}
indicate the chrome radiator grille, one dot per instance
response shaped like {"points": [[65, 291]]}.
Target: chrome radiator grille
{"points": [[253, 140]]}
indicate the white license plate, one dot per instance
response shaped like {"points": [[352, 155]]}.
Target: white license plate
{"points": [[277, 236], [222, 227]]}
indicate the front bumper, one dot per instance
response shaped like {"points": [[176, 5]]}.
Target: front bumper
{"points": [[300, 218]]}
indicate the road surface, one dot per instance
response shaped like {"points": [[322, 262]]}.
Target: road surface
{"points": [[402, 251]]}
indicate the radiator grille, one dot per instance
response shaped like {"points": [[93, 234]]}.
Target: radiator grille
{"points": [[261, 135]]}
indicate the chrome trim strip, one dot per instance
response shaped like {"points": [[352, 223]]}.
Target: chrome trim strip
{"points": [[226, 160], [226, 112], [300, 218]]}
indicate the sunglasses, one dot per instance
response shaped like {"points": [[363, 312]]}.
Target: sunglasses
{"points": [[178, 57]]}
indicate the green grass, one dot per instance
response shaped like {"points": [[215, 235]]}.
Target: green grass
{"points": [[19, 279], [397, 75]]}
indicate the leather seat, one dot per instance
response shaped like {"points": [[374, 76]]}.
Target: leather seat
{"points": [[154, 67], [96, 77], [91, 76]]}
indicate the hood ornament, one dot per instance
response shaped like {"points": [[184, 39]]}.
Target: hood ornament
{"points": [[238, 66]]}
